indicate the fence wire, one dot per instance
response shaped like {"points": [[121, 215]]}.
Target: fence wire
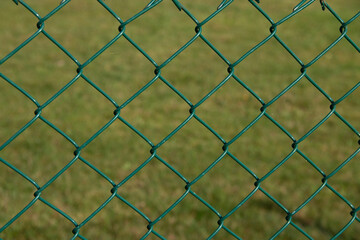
{"points": [[345, 26]]}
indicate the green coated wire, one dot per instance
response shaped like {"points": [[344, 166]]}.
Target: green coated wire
{"points": [[153, 147]]}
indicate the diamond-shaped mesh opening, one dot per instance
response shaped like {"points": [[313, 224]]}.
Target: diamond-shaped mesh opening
{"points": [[200, 74], [161, 39], [74, 183], [64, 112], [40, 152], [117, 151], [234, 34], [247, 221], [268, 76], [111, 221], [334, 140], [157, 181], [326, 205], [189, 216], [50, 69], [191, 159], [39, 221], [20, 110], [230, 109], [156, 112], [304, 28], [338, 71], [284, 185], [261, 147], [225, 185], [300, 108], [67, 27], [120, 71], [292, 233]]}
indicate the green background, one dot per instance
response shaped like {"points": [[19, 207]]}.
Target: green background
{"points": [[83, 27]]}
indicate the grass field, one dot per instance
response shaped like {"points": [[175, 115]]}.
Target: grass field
{"points": [[83, 27]]}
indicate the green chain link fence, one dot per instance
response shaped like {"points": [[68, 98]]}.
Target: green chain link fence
{"points": [[223, 219]]}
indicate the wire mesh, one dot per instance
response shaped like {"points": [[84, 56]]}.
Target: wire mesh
{"points": [[223, 218]]}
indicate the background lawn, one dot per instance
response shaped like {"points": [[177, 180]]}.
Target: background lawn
{"points": [[83, 27]]}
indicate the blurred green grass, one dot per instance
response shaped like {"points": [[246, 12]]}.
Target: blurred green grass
{"points": [[83, 27]]}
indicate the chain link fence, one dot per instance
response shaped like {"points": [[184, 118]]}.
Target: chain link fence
{"points": [[225, 224]]}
